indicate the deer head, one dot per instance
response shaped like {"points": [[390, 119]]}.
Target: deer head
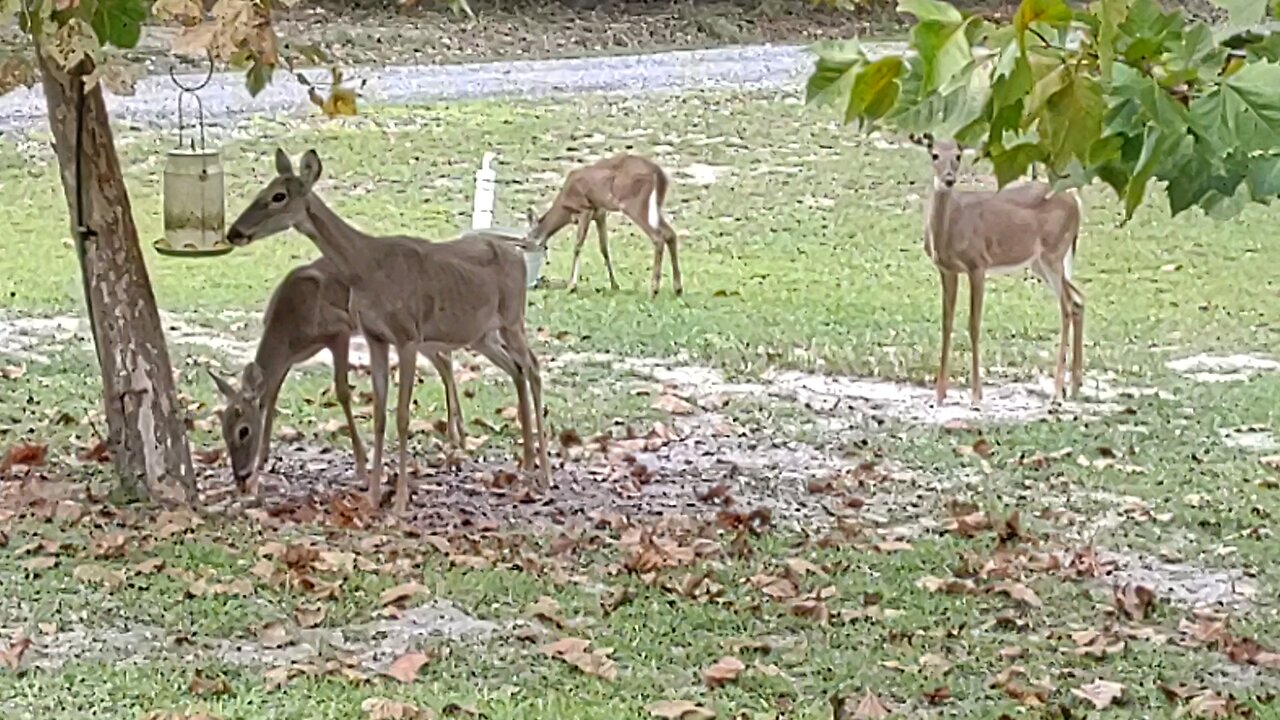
{"points": [[242, 421], [945, 156], [282, 204]]}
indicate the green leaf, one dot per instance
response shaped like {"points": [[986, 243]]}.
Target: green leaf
{"points": [[1243, 112], [875, 90], [931, 10], [1012, 162], [1111, 13], [1157, 147], [833, 75], [1055, 13], [257, 77], [1264, 178], [1072, 120], [943, 48], [119, 22]]}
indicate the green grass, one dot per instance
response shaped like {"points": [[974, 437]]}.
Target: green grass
{"points": [[805, 253]]}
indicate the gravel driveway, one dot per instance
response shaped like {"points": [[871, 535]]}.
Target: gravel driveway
{"points": [[757, 67]]}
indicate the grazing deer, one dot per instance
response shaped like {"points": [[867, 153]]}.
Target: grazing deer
{"points": [[630, 184], [978, 233], [307, 313], [416, 295]]}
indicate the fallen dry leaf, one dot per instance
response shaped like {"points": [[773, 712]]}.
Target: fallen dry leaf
{"points": [[1101, 693], [309, 616], [406, 667], [725, 670], [27, 454], [1134, 600], [400, 593], [11, 657], [574, 651], [1019, 592], [378, 708], [674, 405], [870, 708], [274, 635], [99, 575], [889, 546], [201, 685], [680, 710]]}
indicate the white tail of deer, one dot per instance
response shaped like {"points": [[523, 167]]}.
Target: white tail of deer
{"points": [[630, 184], [979, 233]]}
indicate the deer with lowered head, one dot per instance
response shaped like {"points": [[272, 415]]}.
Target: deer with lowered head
{"points": [[633, 185], [307, 313], [977, 233], [419, 296]]}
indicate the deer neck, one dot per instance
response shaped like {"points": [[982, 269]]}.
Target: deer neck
{"points": [[554, 221], [938, 214], [346, 247]]}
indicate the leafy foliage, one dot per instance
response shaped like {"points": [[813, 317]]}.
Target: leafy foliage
{"points": [[1124, 92]]}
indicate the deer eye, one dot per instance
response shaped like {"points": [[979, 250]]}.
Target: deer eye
{"points": [[279, 197], [243, 433], [935, 156]]}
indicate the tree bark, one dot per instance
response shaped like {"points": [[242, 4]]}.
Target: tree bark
{"points": [[146, 429]]}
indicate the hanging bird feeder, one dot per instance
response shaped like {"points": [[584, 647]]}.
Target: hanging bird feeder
{"points": [[194, 198]]}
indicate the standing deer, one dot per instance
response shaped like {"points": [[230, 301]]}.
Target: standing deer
{"points": [[978, 233], [306, 314], [417, 295], [630, 184]]}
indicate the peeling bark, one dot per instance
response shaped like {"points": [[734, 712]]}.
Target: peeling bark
{"points": [[146, 429]]}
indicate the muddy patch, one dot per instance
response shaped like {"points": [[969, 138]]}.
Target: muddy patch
{"points": [[1207, 368], [846, 402]]}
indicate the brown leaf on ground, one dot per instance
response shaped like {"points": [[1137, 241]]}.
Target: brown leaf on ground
{"points": [[1209, 705], [99, 575], [953, 586], [276, 678], [309, 616], [149, 567], [680, 710], [403, 592], [44, 562], [98, 453], [201, 685], [274, 635], [575, 652], [406, 667], [870, 708], [674, 405], [207, 456], [1019, 592], [27, 454], [969, 525], [889, 546], [378, 708], [547, 609], [775, 587], [725, 670], [1134, 600], [458, 710], [938, 695], [11, 657], [1100, 693]]}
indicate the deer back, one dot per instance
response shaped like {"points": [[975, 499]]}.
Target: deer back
{"points": [[1005, 230]]}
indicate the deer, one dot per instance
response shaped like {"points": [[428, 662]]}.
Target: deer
{"points": [[977, 233], [415, 295], [630, 184], [307, 313]]}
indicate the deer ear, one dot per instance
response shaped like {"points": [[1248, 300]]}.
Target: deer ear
{"points": [[251, 380], [224, 387], [283, 165], [311, 167]]}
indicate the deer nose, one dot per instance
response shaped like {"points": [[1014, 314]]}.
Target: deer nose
{"points": [[236, 237]]}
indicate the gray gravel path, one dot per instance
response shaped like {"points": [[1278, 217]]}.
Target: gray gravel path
{"points": [[756, 67]]}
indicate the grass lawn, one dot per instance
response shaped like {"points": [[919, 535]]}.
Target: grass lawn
{"points": [[1117, 557]]}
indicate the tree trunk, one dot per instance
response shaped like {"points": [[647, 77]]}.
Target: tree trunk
{"points": [[146, 429]]}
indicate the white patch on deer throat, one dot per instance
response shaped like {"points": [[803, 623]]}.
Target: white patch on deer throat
{"points": [[653, 209]]}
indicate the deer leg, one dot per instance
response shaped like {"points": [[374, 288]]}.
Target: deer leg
{"points": [[950, 281], [1054, 277], [408, 353], [443, 363], [342, 389], [1077, 347], [493, 347], [584, 224], [378, 370], [669, 233], [518, 346], [977, 281], [604, 248], [268, 400]]}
